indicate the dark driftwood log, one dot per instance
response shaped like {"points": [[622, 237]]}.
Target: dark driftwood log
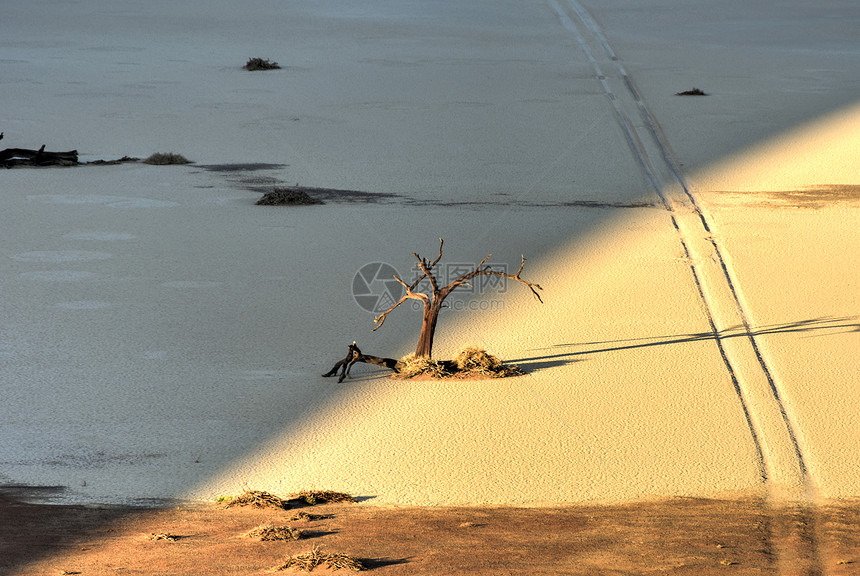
{"points": [[24, 157], [354, 355]]}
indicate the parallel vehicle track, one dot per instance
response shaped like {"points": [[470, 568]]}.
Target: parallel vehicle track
{"points": [[782, 462]]}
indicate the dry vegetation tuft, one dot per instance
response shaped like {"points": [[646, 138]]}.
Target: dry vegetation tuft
{"points": [[259, 499], [310, 560], [410, 367], [470, 362], [268, 533], [287, 197], [260, 64], [164, 536], [322, 496], [161, 159], [304, 517], [473, 360]]}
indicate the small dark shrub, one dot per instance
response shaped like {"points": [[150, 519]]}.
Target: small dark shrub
{"points": [[260, 64], [287, 196], [693, 92], [160, 159]]}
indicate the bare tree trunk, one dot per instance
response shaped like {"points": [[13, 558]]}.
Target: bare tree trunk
{"points": [[428, 329]]}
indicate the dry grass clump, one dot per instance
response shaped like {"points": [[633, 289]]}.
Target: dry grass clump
{"points": [[287, 196], [164, 536], [322, 496], [259, 499], [470, 362], [260, 64], [269, 533], [410, 367], [693, 92], [473, 360], [161, 159], [310, 560]]}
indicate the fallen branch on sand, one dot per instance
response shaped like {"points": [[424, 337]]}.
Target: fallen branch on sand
{"points": [[24, 157], [354, 355], [11, 157]]}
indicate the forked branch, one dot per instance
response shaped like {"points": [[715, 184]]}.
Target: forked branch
{"points": [[380, 320], [482, 270]]}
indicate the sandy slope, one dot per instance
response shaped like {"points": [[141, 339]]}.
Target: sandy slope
{"points": [[162, 336]]}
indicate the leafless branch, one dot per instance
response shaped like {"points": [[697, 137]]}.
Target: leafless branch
{"points": [[439, 257], [380, 320], [427, 268], [487, 271]]}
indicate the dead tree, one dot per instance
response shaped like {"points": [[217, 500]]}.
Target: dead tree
{"points": [[433, 301], [354, 355], [22, 156]]}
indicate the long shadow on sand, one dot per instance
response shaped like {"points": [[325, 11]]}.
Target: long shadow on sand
{"points": [[817, 327]]}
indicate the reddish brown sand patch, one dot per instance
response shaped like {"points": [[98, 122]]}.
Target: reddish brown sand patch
{"points": [[682, 536]]}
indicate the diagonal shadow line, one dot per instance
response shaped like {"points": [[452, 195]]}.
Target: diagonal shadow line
{"points": [[831, 325]]}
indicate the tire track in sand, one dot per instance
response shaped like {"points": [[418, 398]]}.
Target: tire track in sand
{"points": [[782, 463]]}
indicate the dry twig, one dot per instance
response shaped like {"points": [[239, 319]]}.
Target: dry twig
{"points": [[259, 499], [164, 536], [322, 496], [310, 560], [268, 533]]}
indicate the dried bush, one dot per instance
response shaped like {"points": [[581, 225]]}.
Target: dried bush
{"points": [[693, 92], [410, 367], [260, 64], [259, 499], [322, 496], [310, 560], [470, 362], [164, 536], [160, 159], [287, 197], [473, 360], [269, 533]]}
